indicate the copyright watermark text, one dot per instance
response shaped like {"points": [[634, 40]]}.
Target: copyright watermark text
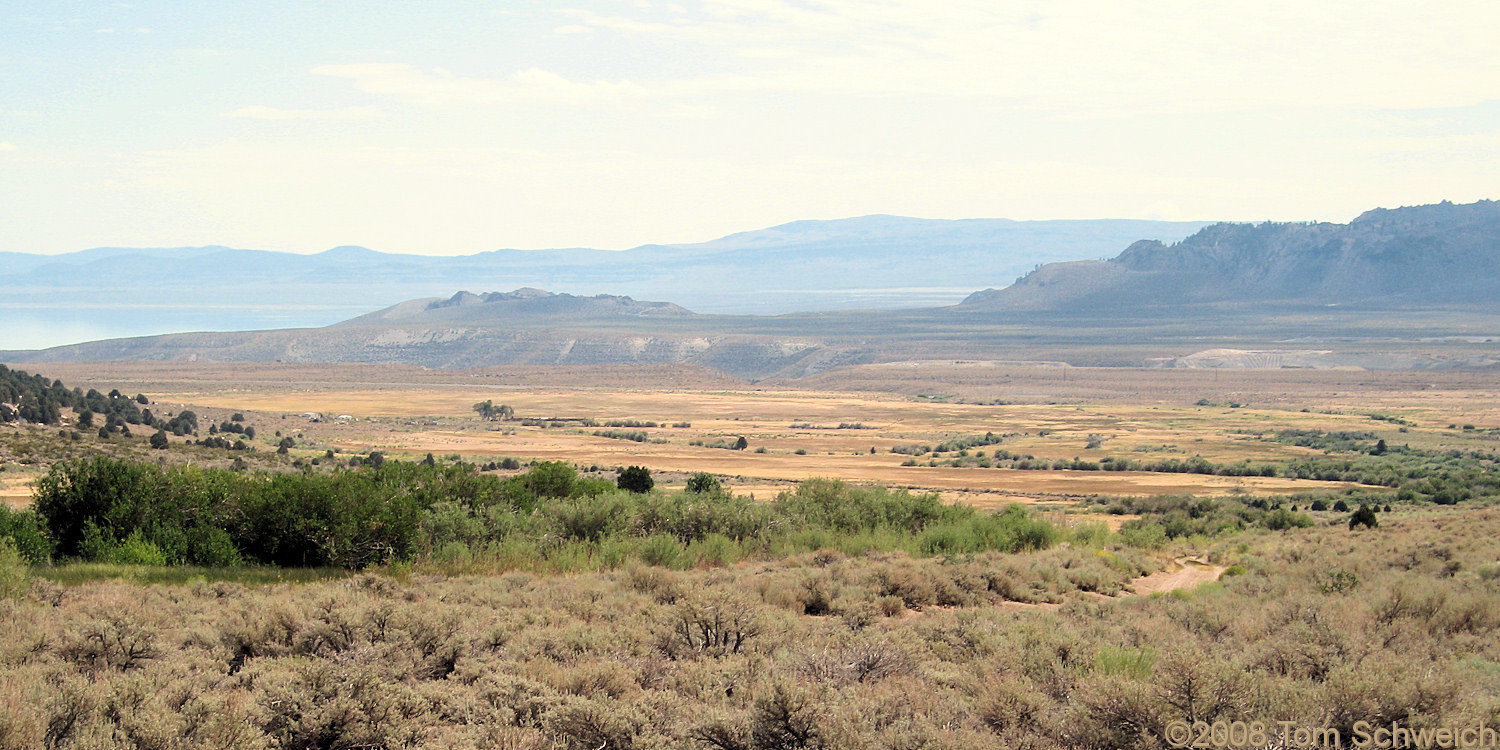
{"points": [[1202, 735]]}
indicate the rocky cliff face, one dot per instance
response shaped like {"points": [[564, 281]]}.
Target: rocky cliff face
{"points": [[1441, 255]]}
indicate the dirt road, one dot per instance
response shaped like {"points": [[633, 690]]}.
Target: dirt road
{"points": [[1185, 573]]}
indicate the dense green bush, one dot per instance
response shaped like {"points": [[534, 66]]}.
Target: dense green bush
{"points": [[1013, 530], [14, 577], [686, 529], [1282, 519], [109, 510], [27, 534], [635, 479], [551, 479], [704, 483], [115, 496], [835, 505], [347, 519], [1365, 516]]}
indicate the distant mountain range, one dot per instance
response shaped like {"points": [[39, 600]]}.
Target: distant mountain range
{"points": [[866, 262], [870, 261], [1409, 288]]}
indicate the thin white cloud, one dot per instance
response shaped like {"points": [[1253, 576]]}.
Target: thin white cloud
{"points": [[273, 113], [441, 87], [8, 146], [1070, 59], [1078, 56], [205, 52], [1391, 145]]}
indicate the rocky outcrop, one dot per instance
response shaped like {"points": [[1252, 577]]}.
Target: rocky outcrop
{"points": [[1442, 255]]}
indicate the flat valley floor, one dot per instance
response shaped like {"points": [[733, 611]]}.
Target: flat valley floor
{"points": [[866, 424]]}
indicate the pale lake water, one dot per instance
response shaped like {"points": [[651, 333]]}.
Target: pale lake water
{"points": [[41, 326]]}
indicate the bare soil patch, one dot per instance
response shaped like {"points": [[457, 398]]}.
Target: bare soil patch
{"points": [[15, 491], [1184, 573]]}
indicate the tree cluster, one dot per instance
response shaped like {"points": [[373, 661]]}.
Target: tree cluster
{"points": [[32, 398], [37, 399], [487, 409], [214, 441], [234, 426]]}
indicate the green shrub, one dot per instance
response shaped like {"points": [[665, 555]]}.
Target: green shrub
{"points": [[660, 550], [215, 518], [715, 550], [836, 505], [212, 547], [1281, 519], [1016, 530], [27, 533], [96, 545], [1125, 661], [15, 578], [1337, 581], [111, 494], [1143, 534], [704, 483], [589, 520], [454, 554], [551, 479], [347, 519], [592, 487], [947, 539], [635, 479], [136, 550], [1089, 534]]}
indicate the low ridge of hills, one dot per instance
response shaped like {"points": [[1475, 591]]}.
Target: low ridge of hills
{"points": [[525, 303]]}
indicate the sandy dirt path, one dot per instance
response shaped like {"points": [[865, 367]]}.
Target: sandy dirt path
{"points": [[1183, 573]]}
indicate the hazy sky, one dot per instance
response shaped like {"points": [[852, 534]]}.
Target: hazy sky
{"points": [[456, 127]]}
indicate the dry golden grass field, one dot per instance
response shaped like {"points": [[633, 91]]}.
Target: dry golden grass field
{"points": [[793, 427], [15, 492]]}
